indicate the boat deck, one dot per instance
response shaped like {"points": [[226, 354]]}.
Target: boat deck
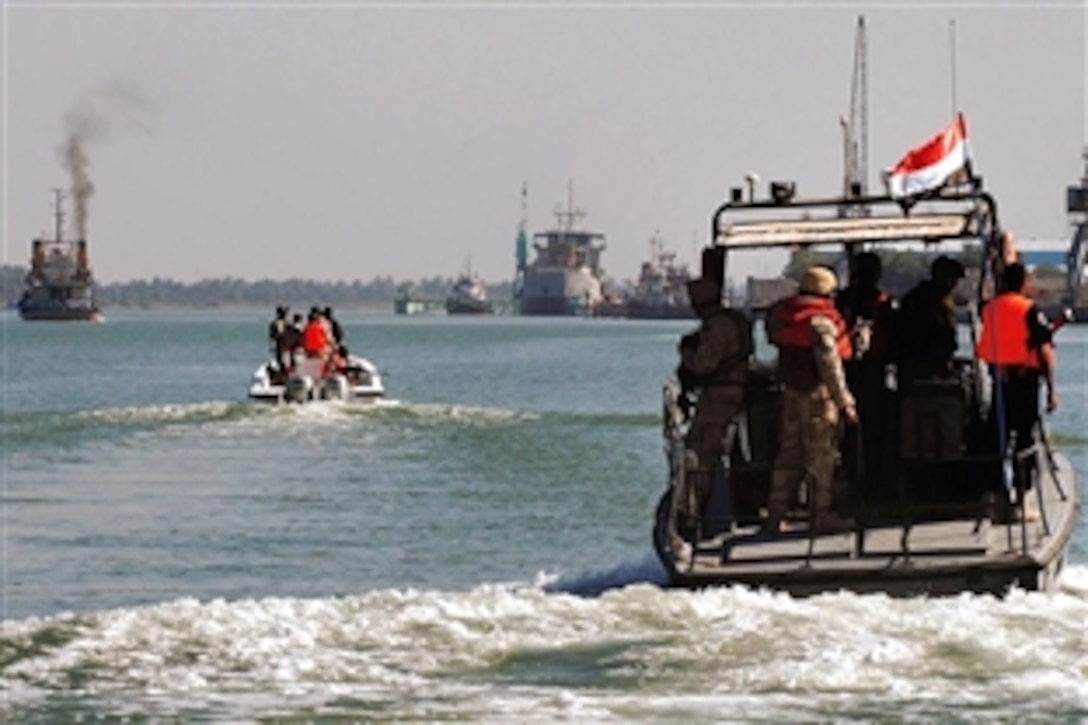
{"points": [[965, 552]]}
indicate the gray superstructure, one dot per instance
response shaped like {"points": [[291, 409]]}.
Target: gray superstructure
{"points": [[564, 278]]}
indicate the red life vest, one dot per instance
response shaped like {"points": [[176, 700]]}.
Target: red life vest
{"points": [[1004, 338], [791, 323], [315, 340]]}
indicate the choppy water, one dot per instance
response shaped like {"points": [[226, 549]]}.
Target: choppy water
{"points": [[174, 552]]}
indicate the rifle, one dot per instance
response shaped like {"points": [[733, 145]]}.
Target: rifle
{"points": [[1064, 317]]}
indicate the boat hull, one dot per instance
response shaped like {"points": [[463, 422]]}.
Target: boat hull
{"points": [[35, 314], [548, 307], [363, 384], [461, 307], [639, 311]]}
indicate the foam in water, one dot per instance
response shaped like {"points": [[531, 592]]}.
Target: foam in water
{"points": [[635, 651]]}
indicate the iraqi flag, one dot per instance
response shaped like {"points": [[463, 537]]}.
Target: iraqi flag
{"points": [[929, 165]]}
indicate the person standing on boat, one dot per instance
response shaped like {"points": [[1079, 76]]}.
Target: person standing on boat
{"points": [[339, 351], [1017, 342], [336, 331], [315, 339], [714, 363], [925, 325], [812, 341], [276, 330], [868, 311], [292, 338]]}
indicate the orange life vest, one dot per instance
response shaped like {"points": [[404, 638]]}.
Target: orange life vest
{"points": [[791, 323], [1004, 338], [315, 340]]}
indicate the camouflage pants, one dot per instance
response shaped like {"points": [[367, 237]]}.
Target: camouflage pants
{"points": [[717, 407], [807, 448]]}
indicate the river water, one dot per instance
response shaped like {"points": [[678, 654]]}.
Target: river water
{"points": [[477, 547]]}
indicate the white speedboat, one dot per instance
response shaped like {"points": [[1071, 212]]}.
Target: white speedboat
{"points": [[357, 381]]}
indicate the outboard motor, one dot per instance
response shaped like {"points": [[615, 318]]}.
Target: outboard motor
{"points": [[335, 387], [298, 389]]}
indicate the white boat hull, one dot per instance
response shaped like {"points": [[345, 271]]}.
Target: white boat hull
{"points": [[360, 382]]}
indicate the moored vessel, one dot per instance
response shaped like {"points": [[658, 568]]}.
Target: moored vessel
{"points": [[661, 291], [408, 301], [59, 284], [564, 278], [936, 514], [468, 296]]}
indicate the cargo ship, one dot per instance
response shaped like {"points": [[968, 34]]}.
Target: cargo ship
{"points": [[59, 285], [564, 277]]}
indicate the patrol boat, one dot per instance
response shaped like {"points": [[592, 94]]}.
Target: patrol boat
{"points": [[59, 285], [925, 476], [357, 381]]}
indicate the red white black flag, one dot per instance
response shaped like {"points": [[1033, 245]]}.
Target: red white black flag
{"points": [[928, 166]]}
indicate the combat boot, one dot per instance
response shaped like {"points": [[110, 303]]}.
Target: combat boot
{"points": [[827, 522], [823, 519], [778, 500]]}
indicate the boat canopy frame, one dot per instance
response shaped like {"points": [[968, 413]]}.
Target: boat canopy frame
{"points": [[965, 213]]}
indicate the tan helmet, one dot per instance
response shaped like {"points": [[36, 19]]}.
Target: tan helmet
{"points": [[703, 292], [818, 281]]}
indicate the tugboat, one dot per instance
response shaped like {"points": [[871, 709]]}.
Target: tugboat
{"points": [[468, 296], [59, 285], [935, 518], [661, 291], [564, 279]]}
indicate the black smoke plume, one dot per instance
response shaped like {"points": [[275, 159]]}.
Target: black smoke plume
{"points": [[118, 106]]}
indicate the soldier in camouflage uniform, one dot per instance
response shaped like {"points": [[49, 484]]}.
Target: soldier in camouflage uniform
{"points": [[812, 342], [714, 363]]}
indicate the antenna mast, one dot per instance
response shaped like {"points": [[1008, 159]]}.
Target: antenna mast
{"points": [[855, 128], [952, 49], [859, 111]]}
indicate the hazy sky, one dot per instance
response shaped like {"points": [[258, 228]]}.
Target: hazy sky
{"points": [[348, 140]]}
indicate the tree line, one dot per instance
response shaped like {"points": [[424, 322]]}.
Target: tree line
{"points": [[901, 270], [233, 291]]}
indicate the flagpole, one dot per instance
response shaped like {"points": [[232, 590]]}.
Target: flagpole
{"points": [[952, 43]]}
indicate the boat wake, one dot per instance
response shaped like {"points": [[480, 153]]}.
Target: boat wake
{"points": [[45, 428], [506, 653], [647, 569]]}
